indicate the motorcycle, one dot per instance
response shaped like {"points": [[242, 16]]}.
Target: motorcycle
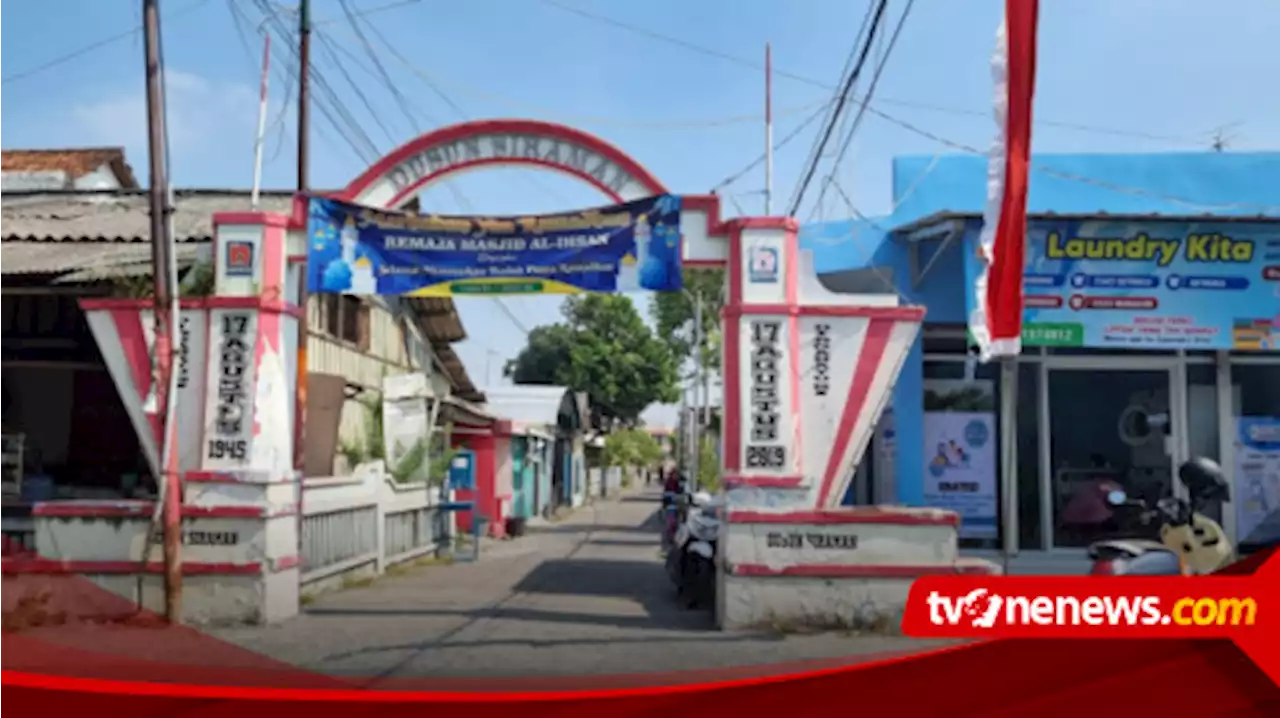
{"points": [[691, 562], [674, 509], [1190, 542]]}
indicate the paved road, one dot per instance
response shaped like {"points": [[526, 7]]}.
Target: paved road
{"points": [[587, 596]]}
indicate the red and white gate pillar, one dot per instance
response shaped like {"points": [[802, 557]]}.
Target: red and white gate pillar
{"points": [[807, 373], [240, 507]]}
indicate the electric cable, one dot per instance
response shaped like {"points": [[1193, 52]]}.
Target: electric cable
{"points": [[330, 107], [815, 151], [763, 156], [807, 177], [813, 82], [96, 45], [338, 107], [399, 97], [326, 45], [865, 102], [463, 202], [276, 125], [287, 68]]}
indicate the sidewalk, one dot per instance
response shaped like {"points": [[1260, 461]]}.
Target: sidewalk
{"points": [[584, 596]]}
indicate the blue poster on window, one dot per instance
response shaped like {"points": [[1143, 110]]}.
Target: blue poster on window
{"points": [[622, 248]]}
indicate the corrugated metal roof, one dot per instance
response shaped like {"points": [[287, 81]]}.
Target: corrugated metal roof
{"points": [[463, 388], [121, 215], [87, 261], [526, 404]]}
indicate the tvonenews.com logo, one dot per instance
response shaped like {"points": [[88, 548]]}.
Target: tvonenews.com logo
{"points": [[982, 609]]}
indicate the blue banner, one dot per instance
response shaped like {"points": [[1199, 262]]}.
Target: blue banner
{"points": [[1152, 285], [622, 248]]}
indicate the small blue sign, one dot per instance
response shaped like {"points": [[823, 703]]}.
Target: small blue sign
{"points": [[976, 434], [763, 265], [462, 475]]}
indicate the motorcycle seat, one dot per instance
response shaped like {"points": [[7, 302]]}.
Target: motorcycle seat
{"points": [[1128, 547]]}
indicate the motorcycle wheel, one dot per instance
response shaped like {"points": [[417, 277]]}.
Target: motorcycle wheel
{"points": [[673, 567], [700, 583]]}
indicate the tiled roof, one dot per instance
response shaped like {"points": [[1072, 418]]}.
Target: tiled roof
{"points": [[121, 215], [75, 162]]}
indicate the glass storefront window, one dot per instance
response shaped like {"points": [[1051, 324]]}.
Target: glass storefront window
{"points": [[1259, 387], [1030, 533], [1107, 429], [1256, 493], [1202, 420]]}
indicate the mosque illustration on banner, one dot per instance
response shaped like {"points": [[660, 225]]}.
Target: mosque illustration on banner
{"points": [[654, 261], [353, 272]]}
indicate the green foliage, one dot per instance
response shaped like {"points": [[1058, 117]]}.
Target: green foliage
{"points": [[605, 349], [632, 448], [441, 455], [198, 281], [673, 315], [709, 465]]}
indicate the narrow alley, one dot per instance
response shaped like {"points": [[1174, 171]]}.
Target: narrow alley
{"points": [[587, 596]]}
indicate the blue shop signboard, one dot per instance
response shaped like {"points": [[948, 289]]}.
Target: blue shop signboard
{"points": [[621, 248], [1152, 285]]}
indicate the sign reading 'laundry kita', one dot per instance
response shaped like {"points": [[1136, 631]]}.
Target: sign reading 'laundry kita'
{"points": [[621, 248], [1165, 285]]}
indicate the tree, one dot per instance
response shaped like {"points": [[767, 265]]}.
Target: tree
{"points": [[631, 448], [605, 349], [673, 315]]}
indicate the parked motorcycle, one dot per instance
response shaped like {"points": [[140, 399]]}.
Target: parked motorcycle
{"points": [[691, 562], [675, 505], [1190, 542]]}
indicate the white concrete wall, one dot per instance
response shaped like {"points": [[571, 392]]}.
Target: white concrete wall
{"points": [[774, 545]]}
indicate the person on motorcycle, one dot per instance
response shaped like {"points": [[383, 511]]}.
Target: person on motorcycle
{"points": [[671, 485]]}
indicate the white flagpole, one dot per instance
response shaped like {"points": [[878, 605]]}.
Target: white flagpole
{"points": [[260, 140]]}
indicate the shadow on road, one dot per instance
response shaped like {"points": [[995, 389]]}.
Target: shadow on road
{"points": [[633, 542], [640, 500], [643, 582], [650, 526]]}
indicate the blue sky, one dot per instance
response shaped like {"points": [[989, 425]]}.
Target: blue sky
{"points": [[1140, 75]]}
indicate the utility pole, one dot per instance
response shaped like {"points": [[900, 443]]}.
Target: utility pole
{"points": [[161, 258], [697, 375], [304, 300], [304, 93], [768, 130]]}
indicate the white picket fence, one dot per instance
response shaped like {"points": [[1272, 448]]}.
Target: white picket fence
{"points": [[605, 482], [356, 527]]}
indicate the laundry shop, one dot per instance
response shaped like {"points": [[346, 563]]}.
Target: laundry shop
{"points": [[1151, 334]]}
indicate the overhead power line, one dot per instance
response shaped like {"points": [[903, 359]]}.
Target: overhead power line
{"points": [[755, 64], [287, 71], [862, 107], [777, 146], [845, 93], [400, 99], [96, 45]]}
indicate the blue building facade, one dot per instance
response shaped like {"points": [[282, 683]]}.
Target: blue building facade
{"points": [[1152, 333]]}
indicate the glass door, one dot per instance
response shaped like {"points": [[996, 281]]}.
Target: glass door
{"points": [[1106, 426]]}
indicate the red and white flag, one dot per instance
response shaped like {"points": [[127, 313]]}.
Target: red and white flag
{"points": [[996, 320]]}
